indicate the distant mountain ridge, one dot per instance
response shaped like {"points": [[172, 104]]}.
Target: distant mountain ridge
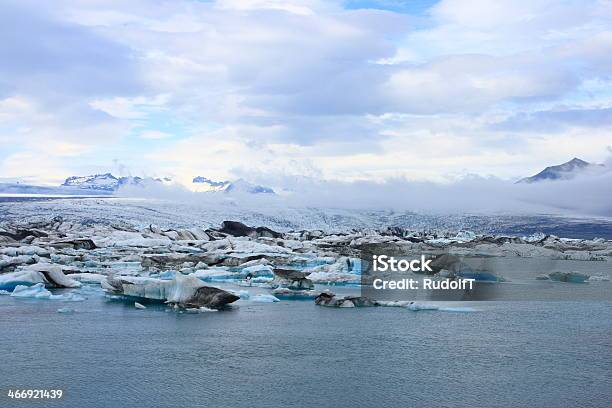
{"points": [[203, 184], [239, 186], [565, 171], [103, 182]]}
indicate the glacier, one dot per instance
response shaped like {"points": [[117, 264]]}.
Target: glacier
{"points": [[191, 257]]}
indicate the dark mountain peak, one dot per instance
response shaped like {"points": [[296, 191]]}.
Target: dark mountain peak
{"points": [[563, 171]]}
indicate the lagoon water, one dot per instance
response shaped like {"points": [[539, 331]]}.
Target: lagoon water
{"points": [[295, 354]]}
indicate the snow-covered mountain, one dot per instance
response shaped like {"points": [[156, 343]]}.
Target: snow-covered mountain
{"points": [[104, 182], [204, 184], [563, 171], [108, 183]]}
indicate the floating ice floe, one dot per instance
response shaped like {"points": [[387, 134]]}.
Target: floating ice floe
{"points": [[292, 279], [265, 299], [569, 277], [343, 271], [38, 291], [139, 305], [200, 310], [87, 277], [334, 277], [258, 271], [215, 274], [242, 294], [48, 274], [331, 300], [287, 293], [183, 291], [599, 278]]}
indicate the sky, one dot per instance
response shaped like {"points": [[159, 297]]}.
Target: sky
{"points": [[335, 90]]}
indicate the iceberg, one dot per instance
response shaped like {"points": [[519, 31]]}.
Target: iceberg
{"points": [[334, 277], [292, 279], [86, 277], [569, 277], [265, 299], [36, 291], [261, 270], [49, 274], [416, 307], [287, 293], [599, 278], [243, 294], [182, 291], [331, 300], [215, 274]]}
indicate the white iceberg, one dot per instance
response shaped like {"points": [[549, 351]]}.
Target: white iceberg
{"points": [[48, 274], [184, 291], [215, 274], [333, 277], [87, 277], [265, 299], [36, 291], [261, 270]]}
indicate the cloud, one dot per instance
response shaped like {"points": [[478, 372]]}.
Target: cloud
{"points": [[354, 92], [154, 134], [586, 194], [557, 120]]}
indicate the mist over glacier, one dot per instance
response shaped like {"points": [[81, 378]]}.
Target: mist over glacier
{"points": [[586, 194]]}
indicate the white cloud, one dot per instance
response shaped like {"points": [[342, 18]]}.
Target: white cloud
{"points": [[154, 134], [294, 86]]}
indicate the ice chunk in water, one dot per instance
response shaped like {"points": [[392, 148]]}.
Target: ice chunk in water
{"points": [[265, 299], [49, 274], [68, 297], [415, 307], [258, 271], [243, 294], [570, 277], [37, 291], [212, 274]]}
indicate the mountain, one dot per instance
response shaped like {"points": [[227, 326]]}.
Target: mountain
{"points": [[107, 182], [101, 182], [238, 186], [563, 171], [203, 184]]}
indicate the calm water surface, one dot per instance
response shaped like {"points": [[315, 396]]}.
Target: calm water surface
{"points": [[296, 354]]}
